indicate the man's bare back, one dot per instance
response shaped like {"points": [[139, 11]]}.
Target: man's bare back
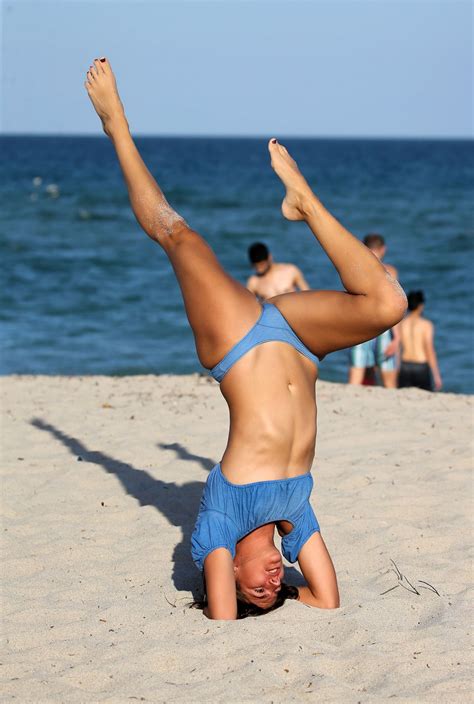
{"points": [[417, 344], [416, 336], [278, 278]]}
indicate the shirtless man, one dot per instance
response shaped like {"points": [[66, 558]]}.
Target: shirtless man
{"points": [[418, 352], [272, 279], [382, 350]]}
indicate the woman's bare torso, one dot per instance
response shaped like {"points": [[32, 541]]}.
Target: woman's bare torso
{"points": [[272, 404]]}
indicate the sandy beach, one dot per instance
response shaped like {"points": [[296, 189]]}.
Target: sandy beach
{"points": [[101, 481]]}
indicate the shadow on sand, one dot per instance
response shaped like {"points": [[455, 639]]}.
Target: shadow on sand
{"points": [[183, 454], [179, 504]]}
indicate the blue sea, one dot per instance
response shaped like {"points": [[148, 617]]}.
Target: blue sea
{"points": [[86, 292]]}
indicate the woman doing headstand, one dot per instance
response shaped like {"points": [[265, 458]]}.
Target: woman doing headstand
{"points": [[265, 361]]}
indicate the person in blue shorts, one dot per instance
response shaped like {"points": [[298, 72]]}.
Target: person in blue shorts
{"points": [[382, 351], [264, 358]]}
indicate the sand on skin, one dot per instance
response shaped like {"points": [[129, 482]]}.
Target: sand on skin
{"points": [[97, 571]]}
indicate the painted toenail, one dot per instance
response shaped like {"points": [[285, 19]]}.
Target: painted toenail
{"points": [[102, 59], [274, 141]]}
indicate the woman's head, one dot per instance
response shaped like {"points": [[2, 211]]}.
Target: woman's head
{"points": [[258, 572], [246, 608], [258, 577], [258, 568]]}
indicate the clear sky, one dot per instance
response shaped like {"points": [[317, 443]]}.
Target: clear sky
{"points": [[243, 67]]}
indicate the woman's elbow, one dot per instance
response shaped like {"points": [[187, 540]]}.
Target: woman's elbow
{"points": [[331, 602]]}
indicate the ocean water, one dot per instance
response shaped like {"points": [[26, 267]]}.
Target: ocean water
{"points": [[84, 291]]}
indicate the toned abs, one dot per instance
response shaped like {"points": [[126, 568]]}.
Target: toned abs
{"points": [[272, 404]]}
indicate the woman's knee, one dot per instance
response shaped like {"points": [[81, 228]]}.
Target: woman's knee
{"points": [[172, 233], [391, 305]]}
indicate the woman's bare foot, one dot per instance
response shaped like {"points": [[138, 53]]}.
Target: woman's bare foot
{"points": [[298, 193], [102, 90]]}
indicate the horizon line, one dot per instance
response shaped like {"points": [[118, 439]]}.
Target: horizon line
{"points": [[164, 135]]}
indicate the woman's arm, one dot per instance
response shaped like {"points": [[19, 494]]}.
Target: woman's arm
{"points": [[220, 585], [318, 571]]}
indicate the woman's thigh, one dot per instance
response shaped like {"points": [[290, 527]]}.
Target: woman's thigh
{"points": [[326, 321], [220, 310]]}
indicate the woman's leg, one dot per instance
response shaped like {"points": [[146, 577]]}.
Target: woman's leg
{"points": [[330, 320], [220, 310]]}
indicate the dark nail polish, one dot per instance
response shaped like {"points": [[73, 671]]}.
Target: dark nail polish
{"points": [[274, 141], [102, 60]]}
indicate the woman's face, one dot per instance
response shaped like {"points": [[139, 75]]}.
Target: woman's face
{"points": [[259, 578]]}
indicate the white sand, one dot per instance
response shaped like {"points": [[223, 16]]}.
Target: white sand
{"points": [[98, 571]]}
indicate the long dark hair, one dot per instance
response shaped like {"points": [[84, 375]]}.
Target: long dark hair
{"points": [[245, 608]]}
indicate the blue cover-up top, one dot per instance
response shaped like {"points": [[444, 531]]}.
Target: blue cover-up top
{"points": [[228, 512]]}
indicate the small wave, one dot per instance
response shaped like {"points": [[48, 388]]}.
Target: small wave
{"points": [[52, 189], [217, 203], [85, 215]]}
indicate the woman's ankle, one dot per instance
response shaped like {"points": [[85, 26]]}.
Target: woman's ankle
{"points": [[117, 128], [310, 206]]}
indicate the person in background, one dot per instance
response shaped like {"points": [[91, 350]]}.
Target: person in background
{"points": [[419, 365], [382, 351], [272, 279]]}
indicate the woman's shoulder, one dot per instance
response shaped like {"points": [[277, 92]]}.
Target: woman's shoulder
{"points": [[213, 530]]}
